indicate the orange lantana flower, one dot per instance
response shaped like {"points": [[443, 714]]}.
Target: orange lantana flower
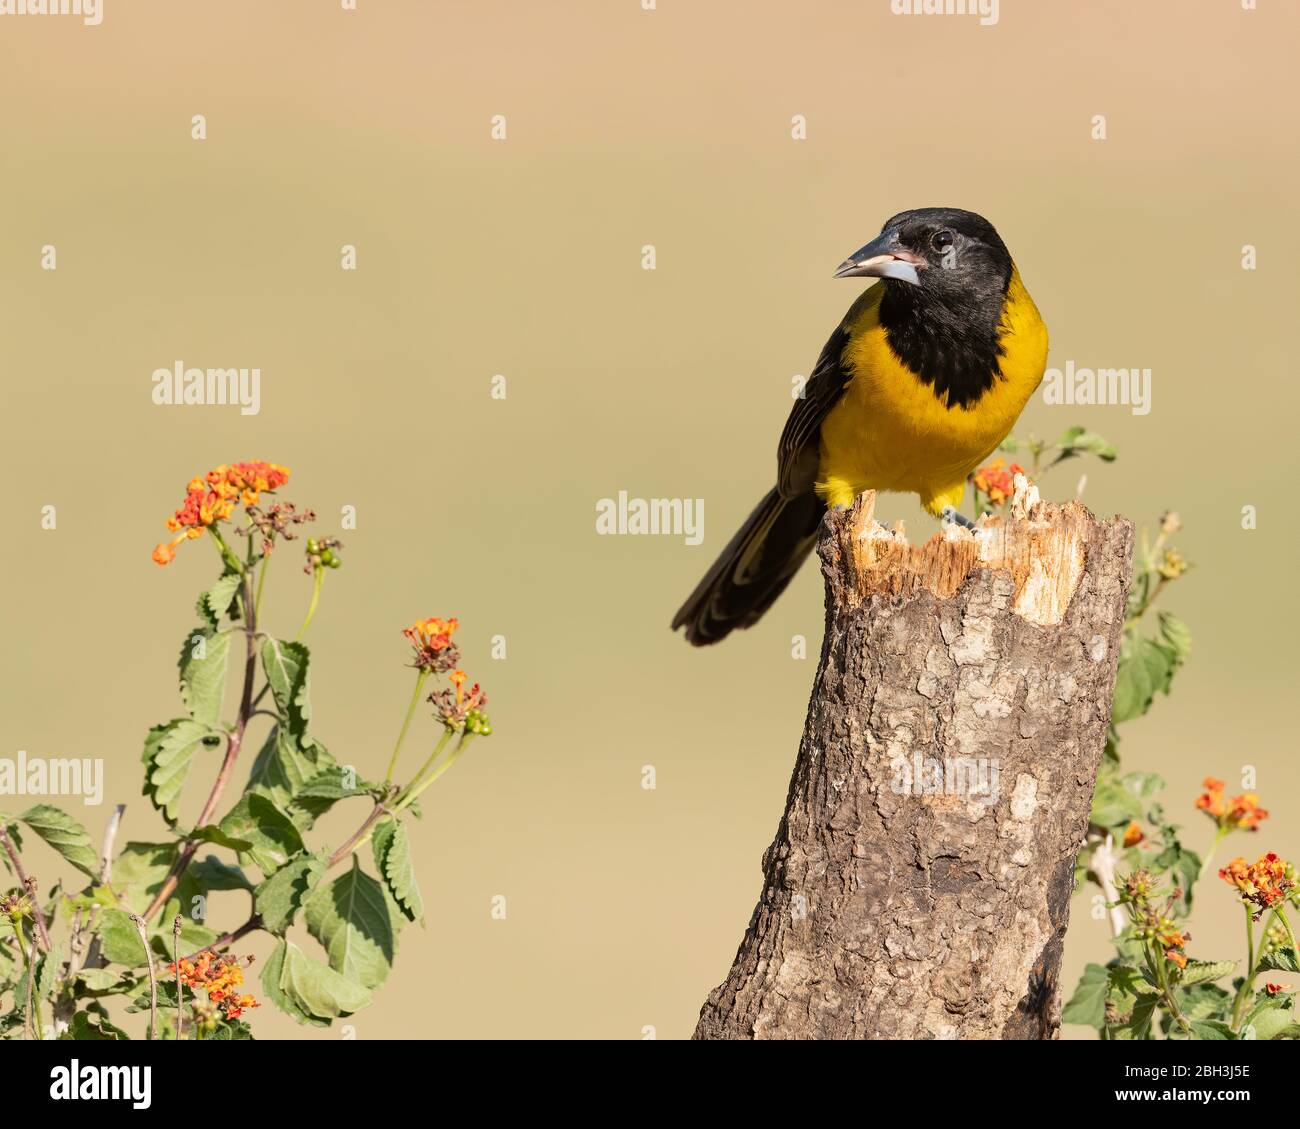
{"points": [[432, 642], [1239, 813], [212, 498], [996, 480], [1263, 883]]}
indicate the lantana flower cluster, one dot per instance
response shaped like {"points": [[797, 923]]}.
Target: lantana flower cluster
{"points": [[212, 498], [1265, 883], [1154, 924], [996, 480], [217, 977], [1239, 813], [435, 652]]}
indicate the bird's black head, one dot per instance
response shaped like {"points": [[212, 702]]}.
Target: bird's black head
{"points": [[946, 272], [946, 252]]}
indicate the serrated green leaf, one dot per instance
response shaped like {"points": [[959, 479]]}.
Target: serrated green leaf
{"points": [[212, 833], [1200, 971], [272, 974], [1176, 634], [1205, 1001], [65, 835], [99, 979], [279, 898], [93, 1025], [1271, 1014], [1088, 1004], [119, 940], [216, 601], [169, 751], [1137, 1024], [1280, 960], [1144, 668], [210, 874], [1212, 1029], [205, 655], [286, 666], [273, 836], [47, 971], [356, 922], [316, 990], [392, 847], [284, 766]]}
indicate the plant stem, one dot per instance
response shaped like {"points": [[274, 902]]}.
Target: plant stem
{"points": [[261, 583], [254, 922], [1248, 981], [233, 743], [360, 835], [412, 791], [420, 678], [176, 961], [28, 884], [433, 756], [318, 579], [1167, 992], [229, 558], [1219, 834], [153, 977]]}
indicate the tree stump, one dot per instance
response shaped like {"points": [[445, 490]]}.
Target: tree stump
{"points": [[919, 883]]}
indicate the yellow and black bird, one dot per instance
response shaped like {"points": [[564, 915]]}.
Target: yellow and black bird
{"points": [[921, 381]]}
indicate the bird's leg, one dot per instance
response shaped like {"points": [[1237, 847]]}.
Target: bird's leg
{"points": [[952, 514]]}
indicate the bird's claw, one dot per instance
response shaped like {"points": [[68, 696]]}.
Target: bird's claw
{"points": [[950, 514]]}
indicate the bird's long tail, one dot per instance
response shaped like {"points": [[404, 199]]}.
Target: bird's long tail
{"points": [[753, 569]]}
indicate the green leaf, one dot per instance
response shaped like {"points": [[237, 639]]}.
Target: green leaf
{"points": [[119, 940], [168, 751], [1137, 1024], [279, 898], [1200, 971], [286, 668], [356, 923], [272, 974], [1088, 1004], [217, 600], [1290, 1031], [93, 1025], [212, 833], [47, 971], [1077, 441], [1271, 1014], [283, 768], [211, 874], [1113, 805], [1280, 960], [273, 837], [1144, 667], [1205, 1001], [204, 658], [1211, 1029], [315, 990], [99, 979], [65, 835], [393, 859], [1176, 634]]}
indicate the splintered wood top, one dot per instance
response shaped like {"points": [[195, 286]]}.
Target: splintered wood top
{"points": [[1042, 546]]}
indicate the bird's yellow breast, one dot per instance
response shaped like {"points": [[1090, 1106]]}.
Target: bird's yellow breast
{"points": [[890, 431]]}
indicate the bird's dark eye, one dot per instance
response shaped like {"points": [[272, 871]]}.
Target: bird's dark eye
{"points": [[941, 240]]}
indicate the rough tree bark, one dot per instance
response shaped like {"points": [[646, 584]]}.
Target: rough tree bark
{"points": [[920, 880]]}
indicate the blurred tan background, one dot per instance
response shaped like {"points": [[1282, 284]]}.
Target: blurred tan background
{"points": [[522, 257]]}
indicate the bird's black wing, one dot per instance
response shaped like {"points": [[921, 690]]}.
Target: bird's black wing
{"points": [[798, 452]]}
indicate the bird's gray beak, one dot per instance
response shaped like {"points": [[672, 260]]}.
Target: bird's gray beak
{"points": [[883, 257]]}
